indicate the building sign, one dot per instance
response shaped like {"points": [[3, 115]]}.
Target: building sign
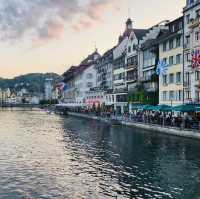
{"points": [[195, 59]]}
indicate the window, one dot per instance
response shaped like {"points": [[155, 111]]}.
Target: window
{"points": [[178, 59], [187, 57], [188, 94], [132, 61], [178, 77], [187, 78], [197, 75], [197, 36], [187, 19], [189, 2], [129, 49], [89, 75], [171, 78], [188, 39], [179, 95], [198, 13], [164, 46], [164, 95], [171, 60], [178, 41], [171, 44], [171, 95], [164, 79], [89, 84], [134, 47], [197, 96], [165, 60]]}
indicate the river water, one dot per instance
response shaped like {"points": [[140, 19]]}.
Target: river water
{"points": [[49, 156]]}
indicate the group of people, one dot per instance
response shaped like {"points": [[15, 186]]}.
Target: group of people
{"points": [[181, 120]]}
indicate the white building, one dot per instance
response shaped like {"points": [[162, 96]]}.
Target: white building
{"points": [[132, 56], [191, 42], [85, 80], [81, 80], [119, 69], [95, 97]]}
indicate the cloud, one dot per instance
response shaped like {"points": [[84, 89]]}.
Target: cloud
{"points": [[93, 14], [45, 20]]}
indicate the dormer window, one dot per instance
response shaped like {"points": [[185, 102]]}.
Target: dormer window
{"points": [[134, 47]]}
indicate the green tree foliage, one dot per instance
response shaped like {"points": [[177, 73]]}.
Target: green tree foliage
{"points": [[33, 82]]}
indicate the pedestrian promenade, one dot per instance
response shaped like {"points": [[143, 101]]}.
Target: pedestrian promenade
{"points": [[150, 127]]}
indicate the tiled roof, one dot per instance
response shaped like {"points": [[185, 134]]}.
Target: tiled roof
{"points": [[90, 58], [140, 33]]}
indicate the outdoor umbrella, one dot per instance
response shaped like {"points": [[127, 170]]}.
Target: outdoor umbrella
{"points": [[197, 108], [163, 108], [148, 108], [185, 108], [137, 107]]}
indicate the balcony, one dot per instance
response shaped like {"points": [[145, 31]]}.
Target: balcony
{"points": [[194, 23], [131, 66], [151, 88], [131, 79], [151, 78], [121, 90]]}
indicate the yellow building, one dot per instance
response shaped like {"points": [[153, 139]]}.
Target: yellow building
{"points": [[171, 52]]}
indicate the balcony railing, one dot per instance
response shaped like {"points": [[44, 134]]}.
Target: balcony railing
{"points": [[128, 79], [120, 90], [131, 66]]}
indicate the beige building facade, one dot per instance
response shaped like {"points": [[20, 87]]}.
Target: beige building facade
{"points": [[171, 53]]}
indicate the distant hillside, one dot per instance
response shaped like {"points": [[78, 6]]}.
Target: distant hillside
{"points": [[33, 82]]}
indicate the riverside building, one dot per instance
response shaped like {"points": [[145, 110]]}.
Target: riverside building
{"points": [[104, 70], [171, 53], [191, 43], [80, 79], [148, 88], [119, 69], [132, 64]]}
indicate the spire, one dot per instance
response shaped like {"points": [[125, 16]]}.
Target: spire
{"points": [[129, 24]]}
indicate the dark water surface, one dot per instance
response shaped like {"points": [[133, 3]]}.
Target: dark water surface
{"points": [[48, 156]]}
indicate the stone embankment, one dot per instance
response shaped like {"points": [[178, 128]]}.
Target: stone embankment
{"points": [[148, 127]]}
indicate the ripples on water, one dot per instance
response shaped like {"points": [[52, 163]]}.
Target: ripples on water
{"points": [[48, 156]]}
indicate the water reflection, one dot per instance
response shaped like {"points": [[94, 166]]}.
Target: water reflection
{"points": [[44, 156]]}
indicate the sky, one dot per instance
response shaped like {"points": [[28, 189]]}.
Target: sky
{"points": [[51, 35]]}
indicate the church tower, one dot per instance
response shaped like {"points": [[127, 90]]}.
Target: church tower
{"points": [[129, 24]]}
